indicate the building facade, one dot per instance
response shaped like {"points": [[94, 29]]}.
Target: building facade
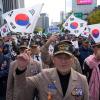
{"points": [[7, 5], [83, 7], [43, 22], [62, 16]]}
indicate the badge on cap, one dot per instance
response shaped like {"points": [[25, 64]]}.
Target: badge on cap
{"points": [[77, 92], [63, 47]]}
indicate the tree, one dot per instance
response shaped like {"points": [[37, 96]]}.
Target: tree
{"points": [[94, 17], [38, 29]]}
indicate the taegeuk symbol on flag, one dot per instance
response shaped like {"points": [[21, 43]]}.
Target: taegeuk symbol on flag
{"points": [[4, 30], [75, 25], [86, 32], [95, 32], [23, 19]]}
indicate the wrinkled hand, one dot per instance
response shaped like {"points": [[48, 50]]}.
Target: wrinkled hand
{"points": [[23, 60]]}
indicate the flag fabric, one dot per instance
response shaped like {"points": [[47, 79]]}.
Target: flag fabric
{"points": [[75, 25], [23, 19], [95, 32], [75, 44], [86, 32], [4, 30]]}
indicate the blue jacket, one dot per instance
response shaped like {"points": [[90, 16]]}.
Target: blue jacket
{"points": [[84, 53], [4, 69]]}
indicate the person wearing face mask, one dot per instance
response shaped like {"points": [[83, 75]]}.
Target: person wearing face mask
{"points": [[91, 68]]}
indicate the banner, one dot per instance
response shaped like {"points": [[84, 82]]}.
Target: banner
{"points": [[23, 20], [95, 32], [84, 2], [75, 25], [53, 29], [4, 30]]}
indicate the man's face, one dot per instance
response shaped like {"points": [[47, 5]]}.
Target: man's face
{"points": [[63, 62], [86, 44], [35, 50]]}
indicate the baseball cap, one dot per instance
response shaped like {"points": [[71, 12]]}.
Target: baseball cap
{"points": [[34, 46], [96, 45], [85, 40], [63, 46], [23, 47]]}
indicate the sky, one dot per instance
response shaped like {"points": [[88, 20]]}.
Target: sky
{"points": [[53, 7]]}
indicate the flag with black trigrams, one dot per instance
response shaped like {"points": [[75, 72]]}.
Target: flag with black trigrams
{"points": [[23, 19], [75, 25], [4, 30]]}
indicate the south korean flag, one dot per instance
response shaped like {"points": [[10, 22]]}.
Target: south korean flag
{"points": [[4, 30], [23, 19], [75, 25], [95, 32]]}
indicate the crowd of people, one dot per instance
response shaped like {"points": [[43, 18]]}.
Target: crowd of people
{"points": [[52, 67]]}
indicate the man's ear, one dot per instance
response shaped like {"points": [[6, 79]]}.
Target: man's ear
{"points": [[72, 59]]}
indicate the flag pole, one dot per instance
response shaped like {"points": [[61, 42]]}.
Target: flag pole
{"points": [[30, 39]]}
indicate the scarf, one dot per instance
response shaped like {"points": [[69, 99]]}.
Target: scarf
{"points": [[94, 83]]}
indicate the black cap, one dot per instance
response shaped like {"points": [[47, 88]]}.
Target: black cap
{"points": [[23, 47], [63, 47], [34, 46], [95, 44], [86, 41]]}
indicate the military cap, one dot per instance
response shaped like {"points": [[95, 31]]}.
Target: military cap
{"points": [[63, 47], [34, 46], [23, 47]]}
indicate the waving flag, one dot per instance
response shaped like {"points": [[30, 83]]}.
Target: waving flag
{"points": [[86, 32], [4, 30], [75, 25], [23, 20], [95, 32]]}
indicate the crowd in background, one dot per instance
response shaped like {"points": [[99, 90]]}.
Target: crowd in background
{"points": [[41, 47]]}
